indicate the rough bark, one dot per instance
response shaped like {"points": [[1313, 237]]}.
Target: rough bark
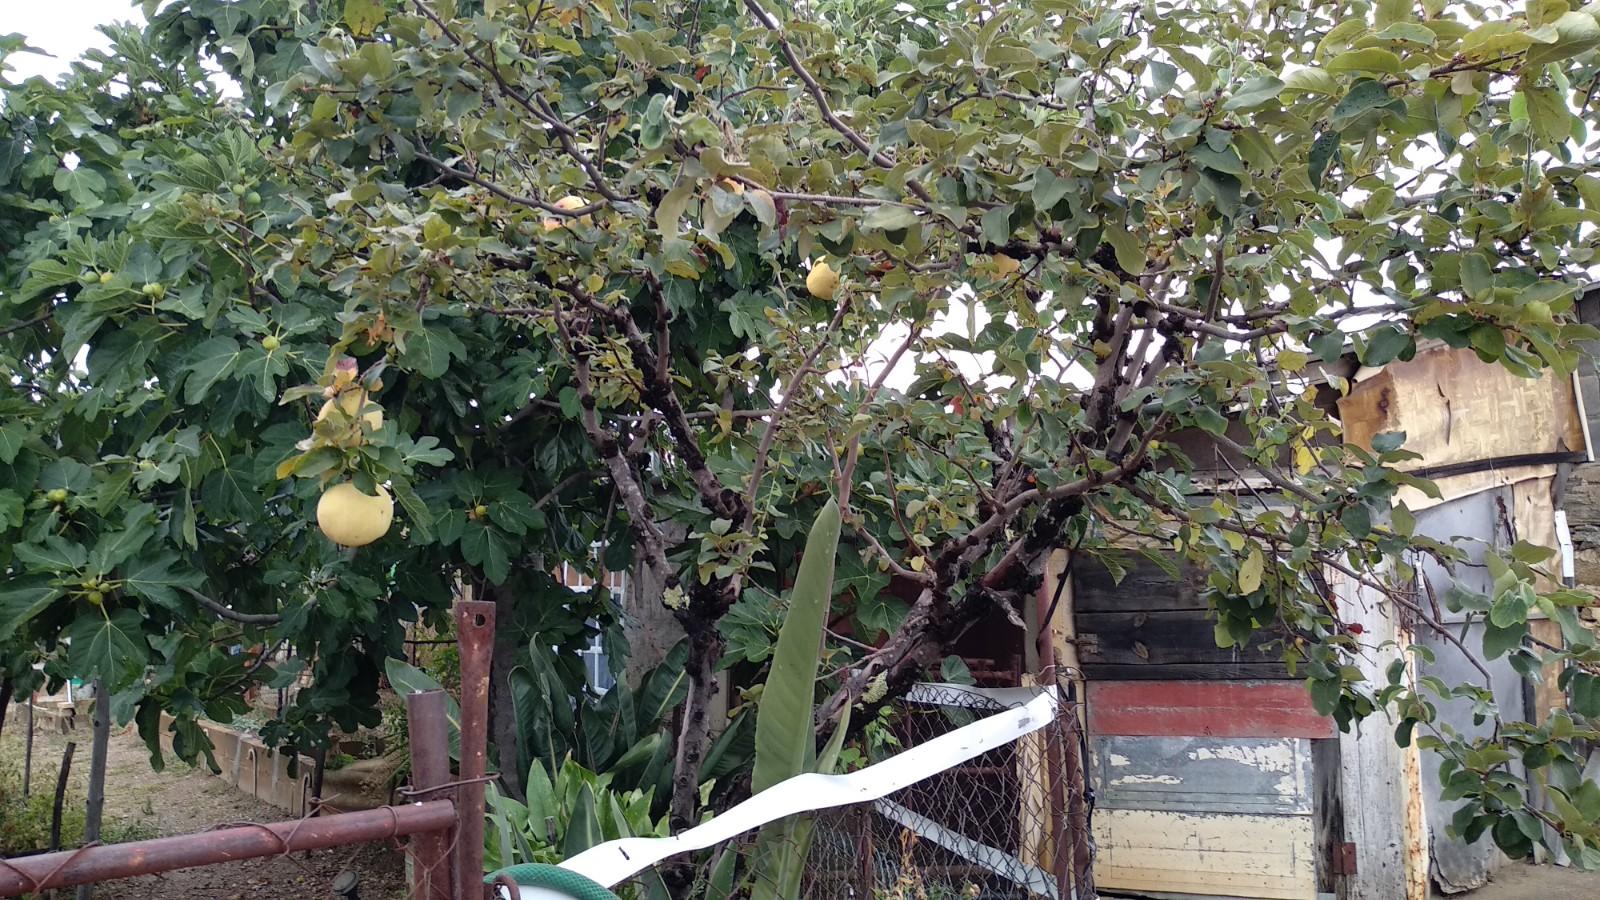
{"points": [[6, 687], [502, 709], [94, 810]]}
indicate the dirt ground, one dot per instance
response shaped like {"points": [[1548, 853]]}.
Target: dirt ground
{"points": [[1521, 882], [180, 800]]}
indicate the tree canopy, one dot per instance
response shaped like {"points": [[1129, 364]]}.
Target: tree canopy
{"points": [[574, 253]]}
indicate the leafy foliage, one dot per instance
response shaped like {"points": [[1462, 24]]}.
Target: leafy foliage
{"points": [[1070, 237]]}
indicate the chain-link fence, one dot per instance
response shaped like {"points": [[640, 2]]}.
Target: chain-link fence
{"points": [[1012, 822]]}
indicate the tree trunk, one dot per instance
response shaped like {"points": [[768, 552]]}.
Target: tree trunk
{"points": [[694, 738], [6, 687], [508, 650], [95, 808]]}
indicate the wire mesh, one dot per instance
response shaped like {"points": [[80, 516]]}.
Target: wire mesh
{"points": [[988, 828]]}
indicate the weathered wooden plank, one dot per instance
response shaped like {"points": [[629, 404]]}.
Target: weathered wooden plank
{"points": [[1380, 781], [1144, 586], [1456, 409], [1203, 775], [1262, 671], [1204, 708], [1163, 637], [1218, 855]]}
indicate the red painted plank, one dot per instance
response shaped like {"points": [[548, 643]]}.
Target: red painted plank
{"points": [[1204, 709]]}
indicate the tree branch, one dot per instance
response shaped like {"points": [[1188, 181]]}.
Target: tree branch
{"points": [[234, 615], [820, 95], [770, 433]]}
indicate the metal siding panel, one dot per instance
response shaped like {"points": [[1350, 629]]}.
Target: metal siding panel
{"points": [[1203, 775], [1204, 709], [1459, 866]]}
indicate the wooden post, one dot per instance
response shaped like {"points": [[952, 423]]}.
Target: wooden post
{"points": [[61, 796], [95, 809], [1381, 782], [27, 752]]}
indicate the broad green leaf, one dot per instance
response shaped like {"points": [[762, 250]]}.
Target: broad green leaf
{"points": [[1048, 188], [111, 648], [1162, 77], [408, 679], [1324, 152], [1311, 81], [1225, 160], [484, 546], [1364, 96], [1547, 111], [890, 218], [1575, 33], [210, 362], [54, 554], [157, 576], [12, 437], [429, 350], [1130, 253], [1371, 59], [21, 599], [1252, 93]]}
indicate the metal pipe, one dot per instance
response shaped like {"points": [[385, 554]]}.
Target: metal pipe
{"points": [[109, 861], [431, 873], [475, 636]]}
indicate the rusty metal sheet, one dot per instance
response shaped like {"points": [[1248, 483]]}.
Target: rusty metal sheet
{"points": [[1203, 774]]}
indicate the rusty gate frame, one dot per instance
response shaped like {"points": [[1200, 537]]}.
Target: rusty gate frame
{"points": [[446, 834]]}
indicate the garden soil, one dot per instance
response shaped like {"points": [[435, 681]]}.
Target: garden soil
{"points": [[141, 803]]}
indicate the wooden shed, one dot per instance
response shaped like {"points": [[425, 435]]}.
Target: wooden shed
{"points": [[1213, 774]]}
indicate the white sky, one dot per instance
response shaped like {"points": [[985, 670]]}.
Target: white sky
{"points": [[63, 28]]}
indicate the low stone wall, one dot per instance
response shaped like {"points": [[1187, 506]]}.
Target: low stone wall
{"points": [[252, 767]]}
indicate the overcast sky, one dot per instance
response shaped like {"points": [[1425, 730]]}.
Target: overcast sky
{"points": [[64, 28]]}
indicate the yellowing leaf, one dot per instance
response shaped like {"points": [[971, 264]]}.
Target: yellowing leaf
{"points": [[1250, 572], [363, 15], [1304, 459]]}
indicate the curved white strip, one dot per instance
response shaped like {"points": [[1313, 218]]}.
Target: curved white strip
{"points": [[615, 861]]}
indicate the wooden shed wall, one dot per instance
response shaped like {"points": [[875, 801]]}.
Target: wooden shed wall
{"points": [[1201, 758]]}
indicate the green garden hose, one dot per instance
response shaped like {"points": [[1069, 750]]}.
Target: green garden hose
{"points": [[552, 878]]}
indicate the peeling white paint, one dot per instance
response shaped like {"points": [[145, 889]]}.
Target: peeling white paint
{"points": [[1147, 779], [1265, 757], [1117, 760]]}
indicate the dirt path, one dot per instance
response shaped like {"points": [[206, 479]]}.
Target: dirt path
{"points": [[141, 803], [1520, 882]]}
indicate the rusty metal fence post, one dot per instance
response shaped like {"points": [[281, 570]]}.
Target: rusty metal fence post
{"points": [[432, 876], [475, 636]]}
